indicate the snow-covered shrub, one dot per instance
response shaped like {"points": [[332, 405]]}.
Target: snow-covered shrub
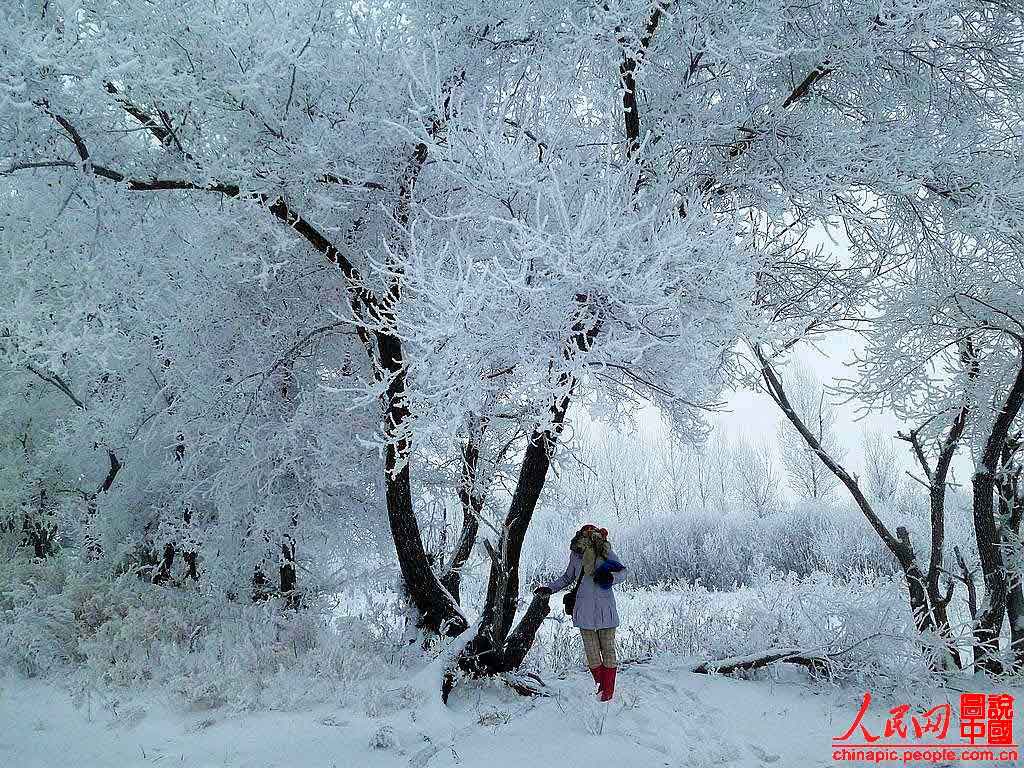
{"points": [[383, 738], [102, 633], [863, 623], [45, 607], [717, 549]]}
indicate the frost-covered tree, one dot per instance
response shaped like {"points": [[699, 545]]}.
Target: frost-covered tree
{"points": [[931, 249], [808, 477], [496, 253], [955, 322], [756, 477], [173, 411]]}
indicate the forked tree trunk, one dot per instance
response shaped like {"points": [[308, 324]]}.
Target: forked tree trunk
{"points": [[926, 605], [496, 647], [490, 651]]}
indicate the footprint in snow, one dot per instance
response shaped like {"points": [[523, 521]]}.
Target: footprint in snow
{"points": [[653, 745]]}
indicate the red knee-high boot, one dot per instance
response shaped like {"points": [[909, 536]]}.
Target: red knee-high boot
{"points": [[607, 683], [598, 673]]}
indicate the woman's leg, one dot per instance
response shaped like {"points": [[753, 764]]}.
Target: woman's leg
{"points": [[592, 648], [606, 639]]}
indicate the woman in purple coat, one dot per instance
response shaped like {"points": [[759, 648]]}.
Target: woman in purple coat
{"points": [[594, 566]]}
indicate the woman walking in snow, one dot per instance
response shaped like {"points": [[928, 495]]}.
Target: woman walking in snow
{"points": [[594, 569]]}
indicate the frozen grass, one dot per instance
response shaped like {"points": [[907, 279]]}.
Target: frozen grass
{"points": [[99, 635], [250, 682], [865, 621]]}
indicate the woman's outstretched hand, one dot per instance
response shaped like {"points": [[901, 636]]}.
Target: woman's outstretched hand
{"points": [[542, 590]]}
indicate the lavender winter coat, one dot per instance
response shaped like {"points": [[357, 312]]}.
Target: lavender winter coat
{"points": [[595, 605]]}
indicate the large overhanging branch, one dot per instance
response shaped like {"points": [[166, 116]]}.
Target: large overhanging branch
{"points": [[359, 296], [436, 606], [777, 392], [59, 383]]}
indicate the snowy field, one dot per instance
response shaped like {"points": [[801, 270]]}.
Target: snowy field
{"points": [[663, 715]]}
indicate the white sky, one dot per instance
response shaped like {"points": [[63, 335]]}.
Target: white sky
{"points": [[754, 417]]}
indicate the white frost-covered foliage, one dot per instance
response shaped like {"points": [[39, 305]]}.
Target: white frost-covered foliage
{"points": [[101, 635], [864, 622], [197, 396], [447, 159]]}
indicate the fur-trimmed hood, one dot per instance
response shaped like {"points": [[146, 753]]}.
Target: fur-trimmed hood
{"points": [[592, 544]]}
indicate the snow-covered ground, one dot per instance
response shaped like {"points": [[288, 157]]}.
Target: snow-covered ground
{"points": [[662, 715]]}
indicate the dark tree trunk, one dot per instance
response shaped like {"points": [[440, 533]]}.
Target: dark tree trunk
{"points": [[93, 548], [42, 538], [191, 565], [260, 588], [162, 574], [438, 610], [288, 576], [520, 640], [988, 534], [1015, 612], [990, 620], [472, 501], [1011, 511], [967, 577], [288, 581], [190, 556]]}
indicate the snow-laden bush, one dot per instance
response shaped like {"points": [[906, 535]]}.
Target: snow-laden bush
{"points": [[717, 550], [863, 623], [101, 633]]}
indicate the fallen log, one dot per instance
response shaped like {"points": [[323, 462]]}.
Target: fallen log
{"points": [[818, 663]]}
